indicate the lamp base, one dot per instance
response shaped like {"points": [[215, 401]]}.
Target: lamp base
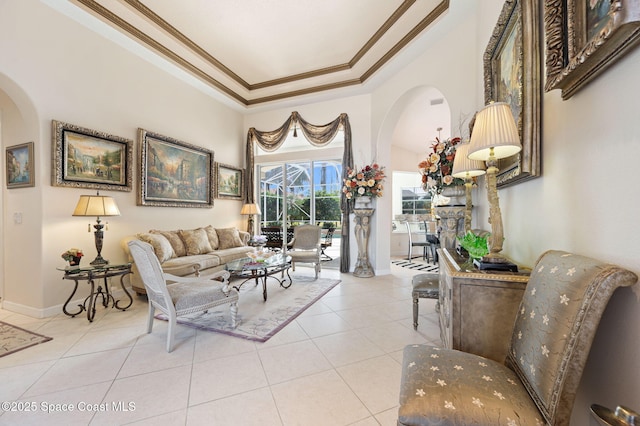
{"points": [[99, 261], [483, 265]]}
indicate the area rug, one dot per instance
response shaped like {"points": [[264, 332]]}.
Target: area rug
{"points": [[14, 339], [331, 264], [259, 320], [424, 267]]}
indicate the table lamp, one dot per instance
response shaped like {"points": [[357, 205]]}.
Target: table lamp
{"points": [[97, 205], [250, 209], [494, 136], [465, 168]]}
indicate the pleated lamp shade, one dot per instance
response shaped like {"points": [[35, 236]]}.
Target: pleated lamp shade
{"points": [[463, 167], [494, 130]]}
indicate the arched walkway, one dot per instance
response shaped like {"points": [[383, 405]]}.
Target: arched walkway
{"points": [[19, 123], [404, 138]]}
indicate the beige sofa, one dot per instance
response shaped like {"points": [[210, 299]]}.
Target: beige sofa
{"points": [[194, 252]]}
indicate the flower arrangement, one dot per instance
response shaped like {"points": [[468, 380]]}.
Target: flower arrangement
{"points": [[364, 182], [437, 168], [71, 254], [259, 239]]}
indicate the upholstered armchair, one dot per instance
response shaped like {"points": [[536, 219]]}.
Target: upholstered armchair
{"points": [[183, 295], [554, 328], [305, 246]]}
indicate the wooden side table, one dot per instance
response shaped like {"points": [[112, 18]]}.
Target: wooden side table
{"points": [[90, 274], [478, 308]]}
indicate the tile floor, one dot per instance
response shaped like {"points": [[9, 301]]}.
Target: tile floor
{"points": [[338, 363]]}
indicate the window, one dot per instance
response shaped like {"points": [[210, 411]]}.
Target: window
{"points": [[415, 200], [311, 190]]}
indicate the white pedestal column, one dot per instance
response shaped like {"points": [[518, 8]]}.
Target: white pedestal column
{"points": [[362, 220]]}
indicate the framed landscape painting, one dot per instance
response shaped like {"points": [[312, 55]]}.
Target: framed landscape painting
{"points": [[85, 158], [512, 75], [229, 181], [174, 173], [20, 167]]}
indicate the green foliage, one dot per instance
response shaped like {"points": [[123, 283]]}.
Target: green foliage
{"points": [[474, 244]]}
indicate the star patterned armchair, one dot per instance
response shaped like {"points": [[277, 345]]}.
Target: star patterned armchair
{"points": [[554, 329]]}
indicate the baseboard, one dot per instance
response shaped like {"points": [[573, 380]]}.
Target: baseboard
{"points": [[25, 310]]}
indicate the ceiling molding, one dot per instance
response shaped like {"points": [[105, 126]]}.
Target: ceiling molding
{"points": [[193, 58]]}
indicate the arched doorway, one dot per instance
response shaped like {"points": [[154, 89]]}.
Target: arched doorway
{"points": [[19, 123], [407, 132]]}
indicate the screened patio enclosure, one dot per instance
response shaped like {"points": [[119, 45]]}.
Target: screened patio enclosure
{"points": [[301, 192]]}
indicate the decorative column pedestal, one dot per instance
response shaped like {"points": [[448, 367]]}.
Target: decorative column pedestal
{"points": [[452, 223], [363, 229]]}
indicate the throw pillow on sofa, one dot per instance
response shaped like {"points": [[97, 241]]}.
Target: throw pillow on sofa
{"points": [[196, 241], [161, 246], [228, 238], [176, 242], [213, 237]]}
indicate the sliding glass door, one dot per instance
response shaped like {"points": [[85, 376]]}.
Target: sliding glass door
{"points": [[295, 193]]}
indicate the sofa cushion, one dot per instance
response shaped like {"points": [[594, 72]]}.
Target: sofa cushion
{"points": [[228, 238], [196, 241], [161, 246], [213, 237], [179, 249], [187, 265], [227, 255]]}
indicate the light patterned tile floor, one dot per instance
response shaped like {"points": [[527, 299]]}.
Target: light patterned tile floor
{"points": [[337, 364]]}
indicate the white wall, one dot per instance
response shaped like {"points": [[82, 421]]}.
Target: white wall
{"points": [[447, 63], [71, 74]]}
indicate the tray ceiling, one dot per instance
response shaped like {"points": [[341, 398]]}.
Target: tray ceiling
{"points": [[258, 51]]}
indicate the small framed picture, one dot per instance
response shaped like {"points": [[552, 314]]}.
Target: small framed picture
{"points": [[85, 158], [229, 181], [174, 173], [20, 167]]}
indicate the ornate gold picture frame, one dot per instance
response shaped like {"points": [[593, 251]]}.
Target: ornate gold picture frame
{"points": [[229, 182], [585, 37], [85, 158], [174, 173], [20, 167], [512, 75]]}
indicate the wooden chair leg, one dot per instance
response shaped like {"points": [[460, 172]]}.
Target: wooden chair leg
{"points": [[415, 313]]}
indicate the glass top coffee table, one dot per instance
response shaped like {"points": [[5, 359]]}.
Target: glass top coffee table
{"points": [[249, 269]]}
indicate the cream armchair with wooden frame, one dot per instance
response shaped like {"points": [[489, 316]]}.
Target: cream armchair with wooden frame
{"points": [[182, 295], [306, 246]]}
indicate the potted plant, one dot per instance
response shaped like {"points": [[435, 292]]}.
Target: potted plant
{"points": [[73, 256]]}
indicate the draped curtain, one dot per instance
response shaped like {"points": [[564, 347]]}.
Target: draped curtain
{"points": [[317, 135]]}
